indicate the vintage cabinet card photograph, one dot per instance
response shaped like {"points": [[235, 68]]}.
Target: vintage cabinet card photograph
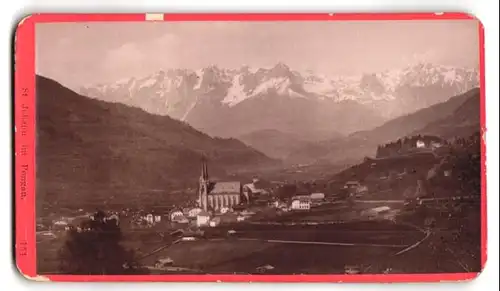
{"points": [[250, 147]]}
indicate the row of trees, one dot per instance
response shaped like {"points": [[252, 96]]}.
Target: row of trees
{"points": [[404, 145]]}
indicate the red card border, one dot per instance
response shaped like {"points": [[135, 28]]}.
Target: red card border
{"points": [[24, 110]]}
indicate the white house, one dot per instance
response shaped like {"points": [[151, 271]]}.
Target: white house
{"points": [[420, 144], [150, 218], [436, 145], [203, 218], [278, 204], [157, 218], [301, 204], [214, 222], [175, 214], [194, 212], [61, 222]]}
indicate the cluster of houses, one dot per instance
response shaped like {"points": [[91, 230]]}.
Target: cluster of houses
{"points": [[211, 218], [143, 219], [83, 223], [201, 218], [151, 219], [300, 202]]}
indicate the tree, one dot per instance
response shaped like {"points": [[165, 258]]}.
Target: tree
{"points": [[286, 191], [94, 249], [308, 187], [378, 153], [467, 164]]}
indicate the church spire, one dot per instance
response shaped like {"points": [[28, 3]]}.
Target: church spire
{"points": [[204, 168], [204, 183]]}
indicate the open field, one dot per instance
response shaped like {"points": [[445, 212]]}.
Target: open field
{"points": [[229, 256], [292, 249], [238, 256]]}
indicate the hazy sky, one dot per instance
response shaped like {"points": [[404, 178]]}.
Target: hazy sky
{"points": [[80, 54]]}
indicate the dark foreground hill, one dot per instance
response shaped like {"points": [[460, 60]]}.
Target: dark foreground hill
{"points": [[88, 148]]}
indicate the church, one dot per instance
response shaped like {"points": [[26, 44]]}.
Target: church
{"points": [[218, 195]]}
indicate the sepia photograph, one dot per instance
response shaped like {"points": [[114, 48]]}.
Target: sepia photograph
{"points": [[258, 147]]}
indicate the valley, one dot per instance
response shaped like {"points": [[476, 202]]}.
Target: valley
{"points": [[101, 141]]}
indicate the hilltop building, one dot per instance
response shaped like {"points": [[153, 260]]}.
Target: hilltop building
{"points": [[420, 144], [217, 195]]}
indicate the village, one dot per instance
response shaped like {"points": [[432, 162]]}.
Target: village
{"points": [[218, 200]]}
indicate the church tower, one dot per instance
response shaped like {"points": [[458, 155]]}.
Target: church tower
{"points": [[204, 184]]}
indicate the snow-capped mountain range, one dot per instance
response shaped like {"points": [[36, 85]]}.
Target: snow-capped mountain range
{"points": [[231, 102]]}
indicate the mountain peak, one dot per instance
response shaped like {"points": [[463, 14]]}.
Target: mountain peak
{"points": [[392, 92], [281, 67], [211, 68]]}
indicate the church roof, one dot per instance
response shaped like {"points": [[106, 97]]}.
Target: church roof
{"points": [[226, 188]]}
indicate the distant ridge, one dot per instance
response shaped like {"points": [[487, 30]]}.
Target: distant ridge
{"points": [[457, 117]]}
